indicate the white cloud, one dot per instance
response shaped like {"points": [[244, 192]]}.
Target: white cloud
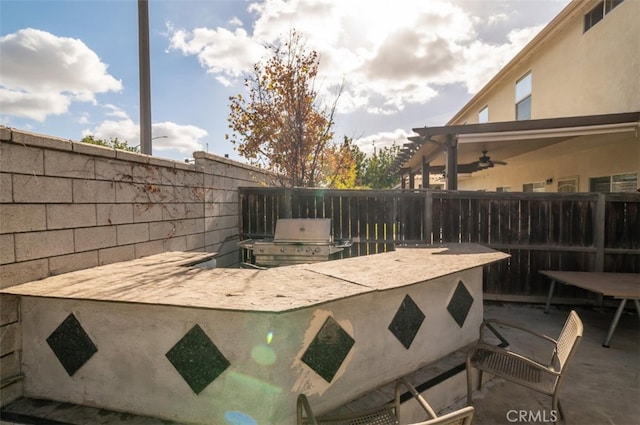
{"points": [[382, 140], [389, 54], [184, 139], [42, 74]]}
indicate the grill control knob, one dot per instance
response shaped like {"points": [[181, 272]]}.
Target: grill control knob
{"points": [[317, 249]]}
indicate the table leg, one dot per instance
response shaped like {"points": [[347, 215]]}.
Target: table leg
{"points": [[551, 288], [614, 323], [637, 303]]}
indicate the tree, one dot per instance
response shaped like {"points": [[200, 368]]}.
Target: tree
{"points": [[375, 168], [281, 125], [111, 143]]}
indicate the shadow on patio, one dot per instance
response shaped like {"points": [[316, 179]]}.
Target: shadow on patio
{"points": [[602, 385]]}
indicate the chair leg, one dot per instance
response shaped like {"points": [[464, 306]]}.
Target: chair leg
{"points": [[469, 386], [479, 379], [557, 407]]}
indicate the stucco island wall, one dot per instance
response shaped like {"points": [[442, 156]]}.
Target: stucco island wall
{"points": [[333, 330]]}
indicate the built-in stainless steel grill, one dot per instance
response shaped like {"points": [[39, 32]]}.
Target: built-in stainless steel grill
{"points": [[296, 241]]}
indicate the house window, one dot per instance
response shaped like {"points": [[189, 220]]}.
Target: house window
{"points": [[596, 14], [534, 187], [568, 184], [483, 115], [503, 189], [523, 98], [616, 183]]}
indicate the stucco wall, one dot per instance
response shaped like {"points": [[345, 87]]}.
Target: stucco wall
{"points": [[600, 155], [131, 373], [67, 206], [573, 72]]}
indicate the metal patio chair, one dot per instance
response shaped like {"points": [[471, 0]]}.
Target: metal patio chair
{"points": [[519, 369], [386, 414]]}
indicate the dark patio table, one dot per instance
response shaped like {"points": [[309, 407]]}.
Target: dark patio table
{"points": [[622, 286]]}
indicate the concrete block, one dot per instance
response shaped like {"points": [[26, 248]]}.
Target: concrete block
{"points": [[146, 174], [116, 254], [164, 229], [34, 245], [68, 216], [221, 222], [90, 238], [6, 188], [132, 233], [149, 248], [15, 273], [16, 218], [113, 170], [94, 191], [7, 249], [194, 210], [94, 150], [9, 338], [73, 262], [144, 213], [175, 211], [5, 133], [69, 164], [175, 243], [9, 313], [40, 140], [144, 193], [108, 214], [38, 189], [21, 159], [194, 242]]}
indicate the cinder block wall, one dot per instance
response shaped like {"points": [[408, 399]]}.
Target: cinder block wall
{"points": [[67, 206]]}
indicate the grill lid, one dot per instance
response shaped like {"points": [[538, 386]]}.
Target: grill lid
{"points": [[303, 230]]}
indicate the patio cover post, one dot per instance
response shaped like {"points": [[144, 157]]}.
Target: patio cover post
{"points": [[425, 173], [451, 152]]}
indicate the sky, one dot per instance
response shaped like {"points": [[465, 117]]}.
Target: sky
{"points": [[70, 68]]}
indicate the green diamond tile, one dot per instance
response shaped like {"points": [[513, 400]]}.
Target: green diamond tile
{"points": [[197, 359], [328, 349], [71, 345], [407, 322], [460, 304]]}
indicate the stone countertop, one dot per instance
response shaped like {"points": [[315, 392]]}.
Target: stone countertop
{"points": [[169, 279]]}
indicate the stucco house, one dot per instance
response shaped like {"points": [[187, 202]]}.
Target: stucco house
{"points": [[561, 116]]}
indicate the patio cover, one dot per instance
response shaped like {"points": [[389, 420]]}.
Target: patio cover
{"points": [[452, 148]]}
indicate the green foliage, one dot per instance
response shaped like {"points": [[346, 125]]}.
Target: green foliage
{"points": [[374, 169], [111, 143]]}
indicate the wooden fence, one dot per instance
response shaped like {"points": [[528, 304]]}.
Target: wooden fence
{"points": [[553, 231]]}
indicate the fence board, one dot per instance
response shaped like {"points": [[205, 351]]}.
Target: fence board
{"points": [[555, 231]]}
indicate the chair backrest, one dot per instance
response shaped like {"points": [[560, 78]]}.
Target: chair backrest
{"points": [[568, 339]]}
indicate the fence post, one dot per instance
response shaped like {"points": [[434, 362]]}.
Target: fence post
{"points": [[286, 203], [599, 231], [428, 216]]}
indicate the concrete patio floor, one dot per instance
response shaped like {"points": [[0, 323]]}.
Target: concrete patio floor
{"points": [[602, 385]]}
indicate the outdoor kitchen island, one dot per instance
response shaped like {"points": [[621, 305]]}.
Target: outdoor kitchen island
{"points": [[160, 336]]}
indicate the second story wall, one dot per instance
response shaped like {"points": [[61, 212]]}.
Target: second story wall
{"points": [[573, 72]]}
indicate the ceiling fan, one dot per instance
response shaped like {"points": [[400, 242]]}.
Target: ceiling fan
{"points": [[485, 161]]}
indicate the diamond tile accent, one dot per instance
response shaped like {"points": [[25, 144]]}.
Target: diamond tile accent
{"points": [[328, 349], [197, 359], [407, 322], [460, 304], [71, 345]]}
